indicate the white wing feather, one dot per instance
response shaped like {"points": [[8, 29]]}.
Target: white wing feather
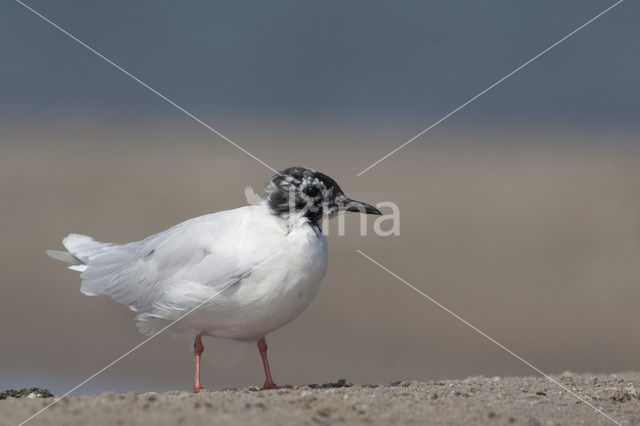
{"points": [[251, 196], [171, 269]]}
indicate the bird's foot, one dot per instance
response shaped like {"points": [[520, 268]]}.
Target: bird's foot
{"points": [[271, 386], [197, 389]]}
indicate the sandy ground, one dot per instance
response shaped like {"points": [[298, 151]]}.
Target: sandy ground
{"points": [[475, 400]]}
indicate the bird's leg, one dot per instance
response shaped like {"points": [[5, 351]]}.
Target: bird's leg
{"points": [[268, 384], [198, 348]]}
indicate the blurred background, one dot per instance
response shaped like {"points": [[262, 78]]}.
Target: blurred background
{"points": [[521, 213]]}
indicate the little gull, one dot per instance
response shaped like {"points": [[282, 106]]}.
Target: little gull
{"points": [[242, 273]]}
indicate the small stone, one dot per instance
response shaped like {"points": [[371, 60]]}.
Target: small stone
{"points": [[341, 383], [360, 408], [622, 396], [326, 411], [26, 393]]}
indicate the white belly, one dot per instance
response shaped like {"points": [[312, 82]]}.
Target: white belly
{"points": [[272, 295]]}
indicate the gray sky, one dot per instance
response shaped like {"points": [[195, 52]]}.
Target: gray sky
{"points": [[326, 60]]}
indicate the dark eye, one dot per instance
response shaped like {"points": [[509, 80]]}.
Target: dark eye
{"points": [[312, 191]]}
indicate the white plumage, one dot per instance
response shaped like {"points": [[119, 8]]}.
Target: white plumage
{"points": [[169, 273], [238, 274]]}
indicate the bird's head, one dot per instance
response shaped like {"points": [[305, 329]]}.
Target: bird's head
{"points": [[300, 191]]}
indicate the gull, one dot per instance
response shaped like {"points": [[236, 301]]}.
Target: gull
{"points": [[237, 274]]}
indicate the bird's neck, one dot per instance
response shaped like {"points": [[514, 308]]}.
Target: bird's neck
{"points": [[296, 219]]}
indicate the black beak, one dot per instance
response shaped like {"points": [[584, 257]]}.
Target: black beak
{"points": [[357, 206]]}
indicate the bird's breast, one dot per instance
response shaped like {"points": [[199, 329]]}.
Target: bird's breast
{"points": [[274, 293]]}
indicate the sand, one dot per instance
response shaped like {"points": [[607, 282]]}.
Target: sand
{"points": [[475, 400]]}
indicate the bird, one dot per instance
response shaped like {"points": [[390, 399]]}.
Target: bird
{"points": [[237, 274]]}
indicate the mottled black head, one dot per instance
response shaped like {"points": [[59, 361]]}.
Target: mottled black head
{"points": [[314, 195]]}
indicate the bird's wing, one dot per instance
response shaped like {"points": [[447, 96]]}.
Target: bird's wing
{"points": [[251, 196], [177, 267]]}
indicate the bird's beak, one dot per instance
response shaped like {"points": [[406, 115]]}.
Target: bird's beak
{"points": [[357, 206]]}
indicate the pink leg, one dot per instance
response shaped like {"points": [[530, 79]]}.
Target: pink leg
{"points": [[268, 384], [198, 348]]}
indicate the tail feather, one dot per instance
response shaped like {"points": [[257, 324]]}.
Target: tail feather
{"points": [[64, 256], [80, 250], [102, 266], [84, 247]]}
